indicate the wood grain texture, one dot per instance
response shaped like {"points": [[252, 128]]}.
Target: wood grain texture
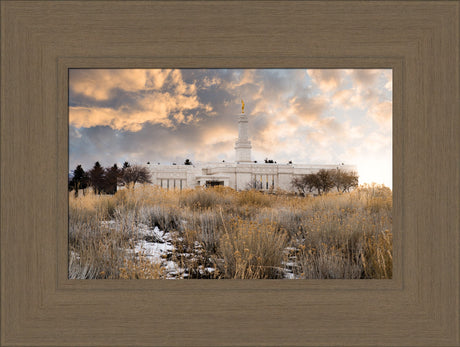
{"points": [[40, 40]]}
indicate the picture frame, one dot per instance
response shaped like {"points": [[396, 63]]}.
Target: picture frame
{"points": [[41, 40]]}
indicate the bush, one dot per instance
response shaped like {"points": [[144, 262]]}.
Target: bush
{"points": [[254, 198], [166, 218], [200, 199], [96, 251], [252, 250], [141, 268], [377, 258]]}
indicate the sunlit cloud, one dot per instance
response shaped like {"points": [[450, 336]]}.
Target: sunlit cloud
{"points": [[162, 97], [326, 79], [382, 113], [98, 84], [308, 109]]}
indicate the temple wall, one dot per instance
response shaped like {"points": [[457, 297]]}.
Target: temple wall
{"points": [[236, 176]]}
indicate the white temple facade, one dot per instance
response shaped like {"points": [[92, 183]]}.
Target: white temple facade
{"points": [[240, 175]]}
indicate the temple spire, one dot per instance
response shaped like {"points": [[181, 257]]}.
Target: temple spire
{"points": [[242, 144]]}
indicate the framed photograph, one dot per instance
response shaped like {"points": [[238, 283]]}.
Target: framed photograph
{"points": [[70, 72], [172, 175]]}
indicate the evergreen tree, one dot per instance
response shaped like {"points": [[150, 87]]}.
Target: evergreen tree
{"points": [[97, 178], [112, 176], [79, 180]]}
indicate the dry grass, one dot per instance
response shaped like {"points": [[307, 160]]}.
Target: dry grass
{"points": [[252, 250], [221, 233], [141, 268]]}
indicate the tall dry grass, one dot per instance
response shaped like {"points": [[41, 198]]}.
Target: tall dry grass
{"points": [[249, 249], [221, 233]]}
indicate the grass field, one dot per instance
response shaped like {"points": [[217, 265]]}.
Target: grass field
{"points": [[149, 232]]}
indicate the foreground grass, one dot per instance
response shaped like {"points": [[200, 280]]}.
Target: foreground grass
{"points": [[221, 233]]}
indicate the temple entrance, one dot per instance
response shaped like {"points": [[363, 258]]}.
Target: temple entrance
{"points": [[210, 184]]}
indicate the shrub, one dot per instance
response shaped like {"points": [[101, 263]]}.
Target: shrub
{"points": [[325, 261], [90, 205], [377, 257], [141, 268], [96, 251], [254, 198], [201, 199], [252, 250], [166, 218]]}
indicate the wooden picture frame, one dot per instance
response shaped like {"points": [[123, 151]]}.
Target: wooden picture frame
{"points": [[419, 40]]}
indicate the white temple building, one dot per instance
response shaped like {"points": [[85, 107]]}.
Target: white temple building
{"points": [[243, 174]]}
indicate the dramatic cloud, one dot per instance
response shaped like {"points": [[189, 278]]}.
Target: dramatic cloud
{"points": [[308, 109], [382, 113], [155, 96], [164, 116], [327, 79], [99, 84]]}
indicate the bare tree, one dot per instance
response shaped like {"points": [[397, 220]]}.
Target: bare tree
{"points": [[305, 184], [299, 183], [345, 180], [312, 182], [135, 174], [325, 180]]}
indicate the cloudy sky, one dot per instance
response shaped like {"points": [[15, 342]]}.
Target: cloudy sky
{"points": [[326, 116]]}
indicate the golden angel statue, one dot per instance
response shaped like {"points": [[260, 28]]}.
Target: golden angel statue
{"points": [[242, 106]]}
